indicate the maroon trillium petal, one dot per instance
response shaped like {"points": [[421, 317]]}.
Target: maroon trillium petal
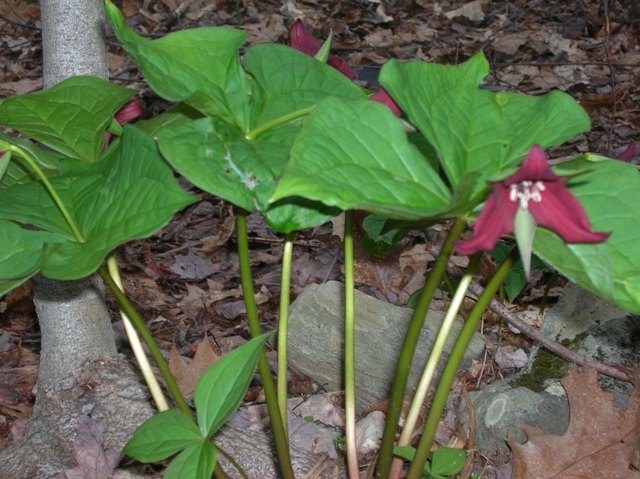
{"points": [[495, 220], [627, 154], [534, 168], [562, 213], [130, 111], [544, 194], [381, 96], [303, 41]]}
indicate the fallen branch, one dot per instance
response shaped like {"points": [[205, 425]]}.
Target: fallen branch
{"points": [[532, 333]]}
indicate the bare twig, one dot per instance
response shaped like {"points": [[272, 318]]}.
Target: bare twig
{"points": [[548, 343], [617, 372]]}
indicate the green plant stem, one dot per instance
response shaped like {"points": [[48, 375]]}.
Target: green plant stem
{"points": [[54, 194], [451, 369], [283, 327], [545, 294], [350, 350], [136, 345], [409, 346], [126, 306], [434, 357], [278, 121], [218, 473], [279, 434], [232, 461]]}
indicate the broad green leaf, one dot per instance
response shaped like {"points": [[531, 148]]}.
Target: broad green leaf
{"points": [[197, 461], [609, 190], [21, 253], [220, 390], [219, 159], [447, 461], [70, 117], [203, 61], [18, 171], [355, 155], [287, 81], [474, 130], [181, 113], [296, 213], [129, 194], [162, 435]]}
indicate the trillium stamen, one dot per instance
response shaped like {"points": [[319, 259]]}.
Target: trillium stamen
{"points": [[526, 191]]}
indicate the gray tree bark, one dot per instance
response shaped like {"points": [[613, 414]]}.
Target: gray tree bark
{"points": [[80, 372]]}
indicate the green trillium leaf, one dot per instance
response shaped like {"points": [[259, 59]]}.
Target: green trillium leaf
{"points": [[70, 117], [609, 190], [162, 435], [355, 155], [474, 130], [197, 461], [129, 194], [220, 390], [204, 62]]}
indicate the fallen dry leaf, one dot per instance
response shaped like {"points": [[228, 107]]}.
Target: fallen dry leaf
{"points": [[187, 375], [93, 461], [601, 441]]}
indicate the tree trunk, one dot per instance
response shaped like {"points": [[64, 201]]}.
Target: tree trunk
{"points": [[80, 372]]}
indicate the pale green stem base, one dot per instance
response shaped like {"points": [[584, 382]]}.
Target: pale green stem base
{"points": [[136, 345], [128, 309], [349, 350], [434, 359], [283, 328], [408, 349], [451, 369]]}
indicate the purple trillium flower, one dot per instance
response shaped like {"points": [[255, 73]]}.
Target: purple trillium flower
{"points": [[534, 187], [128, 112], [301, 40]]}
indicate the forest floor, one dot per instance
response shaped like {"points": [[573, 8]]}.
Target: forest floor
{"points": [[185, 280]]}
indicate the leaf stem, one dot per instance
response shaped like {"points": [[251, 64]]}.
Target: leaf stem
{"points": [[409, 346], [283, 327], [451, 369], [136, 345], [251, 135], [434, 359], [279, 435], [54, 194], [349, 350], [137, 322]]}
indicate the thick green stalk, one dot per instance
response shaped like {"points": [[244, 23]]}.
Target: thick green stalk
{"points": [[451, 369], [279, 434], [283, 327], [218, 473], [350, 350], [436, 354], [137, 322], [408, 349]]}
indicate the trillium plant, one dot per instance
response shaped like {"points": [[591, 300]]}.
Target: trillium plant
{"points": [[288, 132]]}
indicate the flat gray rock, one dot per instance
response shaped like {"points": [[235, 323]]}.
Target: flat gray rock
{"points": [[316, 341]]}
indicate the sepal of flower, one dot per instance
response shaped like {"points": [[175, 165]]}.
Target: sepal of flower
{"points": [[538, 190]]}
